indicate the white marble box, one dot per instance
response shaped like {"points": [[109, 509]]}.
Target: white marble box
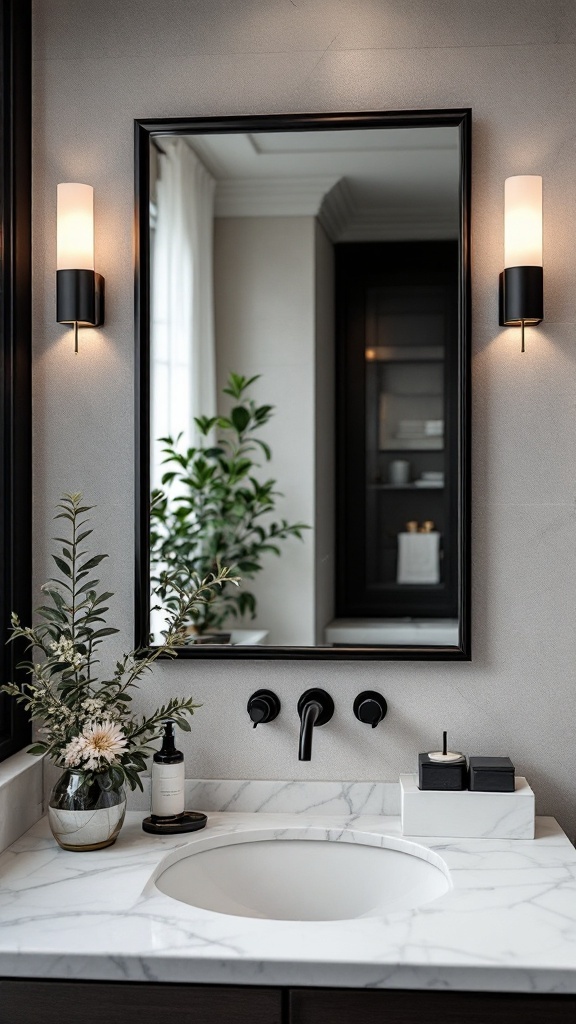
{"points": [[466, 815]]}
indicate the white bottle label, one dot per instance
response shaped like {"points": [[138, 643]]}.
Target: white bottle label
{"points": [[167, 789]]}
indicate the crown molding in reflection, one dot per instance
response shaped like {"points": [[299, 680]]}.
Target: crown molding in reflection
{"points": [[332, 201], [345, 221], [271, 197]]}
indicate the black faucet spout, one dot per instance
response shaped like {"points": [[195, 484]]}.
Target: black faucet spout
{"points": [[310, 715], [315, 707]]}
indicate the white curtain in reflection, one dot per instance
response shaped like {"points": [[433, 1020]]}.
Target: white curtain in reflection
{"points": [[183, 359]]}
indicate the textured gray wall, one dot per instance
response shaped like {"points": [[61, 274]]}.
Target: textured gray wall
{"points": [[99, 65]]}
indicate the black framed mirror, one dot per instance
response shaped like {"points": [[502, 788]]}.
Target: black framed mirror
{"points": [[302, 289], [15, 356]]}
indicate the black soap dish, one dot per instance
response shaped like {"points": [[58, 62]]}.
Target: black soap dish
{"points": [[188, 821]]}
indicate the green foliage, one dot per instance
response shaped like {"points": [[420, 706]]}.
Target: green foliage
{"points": [[214, 509], [64, 689]]}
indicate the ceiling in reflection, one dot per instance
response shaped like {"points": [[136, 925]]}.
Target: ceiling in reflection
{"points": [[363, 186]]}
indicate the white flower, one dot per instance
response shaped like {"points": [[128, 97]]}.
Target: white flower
{"points": [[64, 650], [92, 705], [74, 752], [99, 744], [104, 741]]}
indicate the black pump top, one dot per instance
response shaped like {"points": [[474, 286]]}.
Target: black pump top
{"points": [[168, 753]]}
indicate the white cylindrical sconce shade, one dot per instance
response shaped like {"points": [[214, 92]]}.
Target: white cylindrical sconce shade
{"points": [[75, 227], [523, 221]]}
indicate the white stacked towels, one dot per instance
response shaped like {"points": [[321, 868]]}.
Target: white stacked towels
{"points": [[419, 557]]}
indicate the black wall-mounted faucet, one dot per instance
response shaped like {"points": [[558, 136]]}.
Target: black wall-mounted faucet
{"points": [[263, 706], [315, 707]]}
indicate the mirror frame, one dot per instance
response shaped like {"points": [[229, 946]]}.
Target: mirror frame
{"points": [[144, 131], [15, 357]]}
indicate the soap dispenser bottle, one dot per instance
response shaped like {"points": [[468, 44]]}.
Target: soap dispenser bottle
{"points": [[167, 777], [168, 816]]}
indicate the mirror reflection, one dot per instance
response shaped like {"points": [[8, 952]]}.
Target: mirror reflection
{"points": [[304, 395]]}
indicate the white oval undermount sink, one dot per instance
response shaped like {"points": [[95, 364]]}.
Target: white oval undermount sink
{"points": [[290, 878]]}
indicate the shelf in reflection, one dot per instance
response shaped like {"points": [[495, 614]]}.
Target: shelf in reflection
{"points": [[369, 632], [406, 487]]}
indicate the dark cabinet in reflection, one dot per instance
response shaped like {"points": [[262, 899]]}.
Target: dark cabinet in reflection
{"points": [[397, 430]]}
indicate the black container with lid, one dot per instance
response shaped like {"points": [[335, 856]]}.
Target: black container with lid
{"points": [[443, 769], [492, 775]]}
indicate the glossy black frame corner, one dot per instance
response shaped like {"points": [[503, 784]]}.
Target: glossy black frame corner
{"points": [[15, 354], [147, 129]]}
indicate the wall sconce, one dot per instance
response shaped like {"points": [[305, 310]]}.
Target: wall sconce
{"points": [[522, 281], [79, 290]]}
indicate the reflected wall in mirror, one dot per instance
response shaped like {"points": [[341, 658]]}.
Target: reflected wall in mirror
{"points": [[303, 381]]}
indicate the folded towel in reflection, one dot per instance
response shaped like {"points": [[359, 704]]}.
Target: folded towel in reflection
{"points": [[419, 557]]}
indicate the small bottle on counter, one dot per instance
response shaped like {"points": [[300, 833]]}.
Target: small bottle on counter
{"points": [[167, 777], [168, 816]]}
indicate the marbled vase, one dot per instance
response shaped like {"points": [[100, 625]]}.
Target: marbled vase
{"points": [[86, 812]]}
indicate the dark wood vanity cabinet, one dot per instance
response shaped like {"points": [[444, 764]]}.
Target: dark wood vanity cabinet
{"points": [[29, 1001], [353, 1006], [100, 1002]]}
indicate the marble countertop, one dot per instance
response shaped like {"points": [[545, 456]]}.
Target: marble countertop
{"points": [[507, 924]]}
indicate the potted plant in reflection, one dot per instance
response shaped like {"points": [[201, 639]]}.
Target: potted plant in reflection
{"points": [[215, 509], [88, 727]]}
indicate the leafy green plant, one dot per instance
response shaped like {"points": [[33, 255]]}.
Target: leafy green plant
{"points": [[88, 722], [214, 509]]}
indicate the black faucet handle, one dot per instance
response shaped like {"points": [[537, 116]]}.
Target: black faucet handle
{"points": [[370, 707], [263, 706], [320, 697]]}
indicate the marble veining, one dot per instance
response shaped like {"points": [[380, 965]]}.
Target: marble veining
{"points": [[508, 922], [257, 795]]}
